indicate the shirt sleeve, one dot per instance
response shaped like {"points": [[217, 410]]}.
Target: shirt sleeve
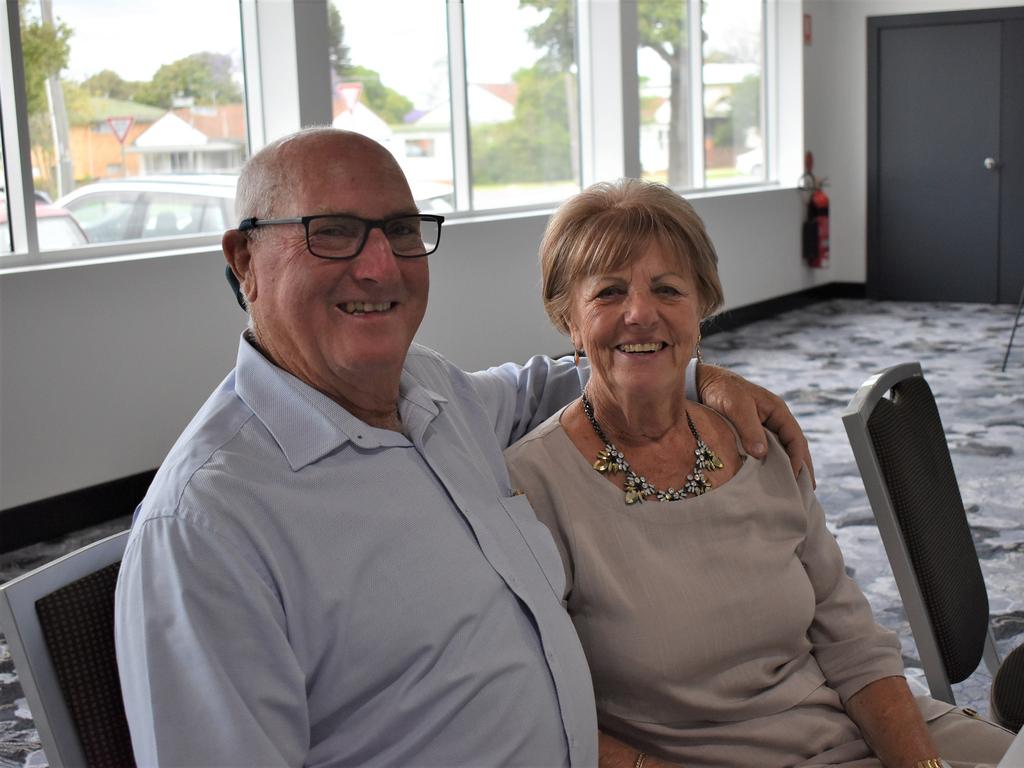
{"points": [[520, 397], [207, 673], [851, 649]]}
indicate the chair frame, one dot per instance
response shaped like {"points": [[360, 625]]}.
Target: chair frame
{"points": [[57, 731], [855, 419]]}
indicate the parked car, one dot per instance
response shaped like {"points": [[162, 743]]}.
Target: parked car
{"points": [[163, 206], [153, 206], [57, 228], [751, 163]]}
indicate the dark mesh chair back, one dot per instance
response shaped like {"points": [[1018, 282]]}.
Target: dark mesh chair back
{"points": [[77, 622], [911, 447], [1007, 699]]}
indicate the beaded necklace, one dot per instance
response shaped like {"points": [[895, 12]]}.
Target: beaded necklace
{"points": [[610, 460]]}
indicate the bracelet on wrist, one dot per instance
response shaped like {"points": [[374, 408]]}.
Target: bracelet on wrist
{"points": [[641, 757]]}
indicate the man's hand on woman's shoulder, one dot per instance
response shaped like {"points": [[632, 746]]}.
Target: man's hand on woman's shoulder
{"points": [[751, 408]]}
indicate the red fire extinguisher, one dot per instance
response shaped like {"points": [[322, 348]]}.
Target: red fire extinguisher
{"points": [[815, 233]]}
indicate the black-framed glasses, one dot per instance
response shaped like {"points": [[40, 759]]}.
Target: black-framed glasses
{"points": [[338, 236]]}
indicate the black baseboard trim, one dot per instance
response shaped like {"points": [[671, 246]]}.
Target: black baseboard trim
{"points": [[59, 515], [732, 319]]}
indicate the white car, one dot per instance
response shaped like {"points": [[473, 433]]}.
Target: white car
{"points": [[751, 163], [153, 206], [187, 204], [56, 227]]}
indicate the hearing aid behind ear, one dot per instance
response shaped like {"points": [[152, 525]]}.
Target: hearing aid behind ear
{"points": [[235, 286]]}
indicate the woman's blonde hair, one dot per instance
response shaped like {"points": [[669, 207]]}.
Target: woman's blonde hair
{"points": [[609, 225]]}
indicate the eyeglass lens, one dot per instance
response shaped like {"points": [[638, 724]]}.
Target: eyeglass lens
{"points": [[343, 236]]}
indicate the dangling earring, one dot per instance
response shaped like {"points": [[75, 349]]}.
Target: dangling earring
{"points": [[698, 351]]}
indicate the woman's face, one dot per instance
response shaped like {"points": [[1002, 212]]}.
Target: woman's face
{"points": [[638, 325]]}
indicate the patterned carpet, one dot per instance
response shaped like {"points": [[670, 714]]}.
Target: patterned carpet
{"points": [[816, 358]]}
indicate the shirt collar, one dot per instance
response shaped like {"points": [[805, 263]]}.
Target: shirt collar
{"points": [[308, 425]]}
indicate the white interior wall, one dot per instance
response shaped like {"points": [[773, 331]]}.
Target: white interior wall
{"points": [[102, 365], [835, 112]]}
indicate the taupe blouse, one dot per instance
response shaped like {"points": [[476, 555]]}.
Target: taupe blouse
{"points": [[720, 630]]}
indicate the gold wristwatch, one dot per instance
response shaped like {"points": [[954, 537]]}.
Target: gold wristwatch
{"points": [[934, 762]]}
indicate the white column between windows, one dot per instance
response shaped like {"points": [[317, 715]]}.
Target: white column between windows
{"points": [[457, 87], [609, 90], [288, 70], [695, 30]]}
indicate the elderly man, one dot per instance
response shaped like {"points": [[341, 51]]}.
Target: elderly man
{"points": [[330, 567]]}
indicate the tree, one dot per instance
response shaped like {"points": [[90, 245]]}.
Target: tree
{"points": [[661, 27], [338, 50], [45, 50], [109, 84], [535, 145], [389, 104], [203, 77]]}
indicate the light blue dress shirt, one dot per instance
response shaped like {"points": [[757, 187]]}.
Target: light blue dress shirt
{"points": [[300, 588]]}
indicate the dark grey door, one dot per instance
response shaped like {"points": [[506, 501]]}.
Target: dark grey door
{"points": [[1011, 171], [936, 213]]}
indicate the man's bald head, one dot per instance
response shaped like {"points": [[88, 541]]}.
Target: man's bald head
{"points": [[274, 175]]}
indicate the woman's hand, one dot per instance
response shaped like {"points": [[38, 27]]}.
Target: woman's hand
{"points": [[749, 406], [612, 753], [891, 723]]}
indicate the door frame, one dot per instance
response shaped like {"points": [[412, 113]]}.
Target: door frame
{"points": [[875, 27]]}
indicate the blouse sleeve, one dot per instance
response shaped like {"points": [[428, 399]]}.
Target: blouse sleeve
{"points": [[532, 470], [851, 649]]}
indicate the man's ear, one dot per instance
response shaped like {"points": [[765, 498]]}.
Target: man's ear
{"points": [[239, 258]]}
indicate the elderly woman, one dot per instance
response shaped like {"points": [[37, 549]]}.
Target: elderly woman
{"points": [[718, 621]]}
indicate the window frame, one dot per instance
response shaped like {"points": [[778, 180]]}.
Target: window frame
{"points": [[284, 62]]}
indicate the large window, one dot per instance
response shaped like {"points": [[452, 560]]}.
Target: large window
{"points": [[733, 51], [523, 101], [390, 82], [700, 85], [136, 121], [128, 102]]}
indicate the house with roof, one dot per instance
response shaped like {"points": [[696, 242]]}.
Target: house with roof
{"points": [[96, 152], [193, 139]]}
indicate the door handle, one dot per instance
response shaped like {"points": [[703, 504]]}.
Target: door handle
{"points": [[991, 164]]}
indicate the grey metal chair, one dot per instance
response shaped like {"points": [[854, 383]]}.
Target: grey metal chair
{"points": [[898, 441], [59, 624]]}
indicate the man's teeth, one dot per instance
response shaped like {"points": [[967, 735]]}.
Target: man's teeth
{"points": [[649, 347], [361, 306]]}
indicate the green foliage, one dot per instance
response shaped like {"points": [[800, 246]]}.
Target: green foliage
{"points": [[556, 33], [111, 85], [45, 49], [389, 104], [536, 145], [204, 77], [746, 102], [661, 26], [338, 50], [745, 112]]}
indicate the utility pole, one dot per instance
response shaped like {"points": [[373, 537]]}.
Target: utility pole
{"points": [[58, 118]]}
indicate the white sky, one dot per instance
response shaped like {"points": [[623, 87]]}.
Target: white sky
{"points": [[135, 37]]}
